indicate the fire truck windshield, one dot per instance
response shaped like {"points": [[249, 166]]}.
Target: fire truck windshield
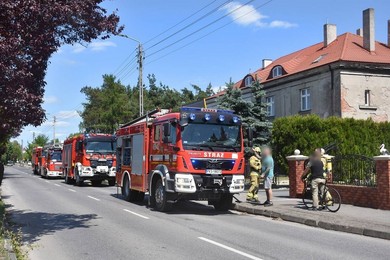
{"points": [[56, 155], [103, 146], [211, 136]]}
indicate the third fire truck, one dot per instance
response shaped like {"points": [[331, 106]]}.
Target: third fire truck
{"points": [[36, 160], [89, 157], [52, 166], [194, 154]]}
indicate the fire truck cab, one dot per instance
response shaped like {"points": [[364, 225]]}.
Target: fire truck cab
{"points": [[53, 161], [36, 160], [89, 157], [195, 154]]}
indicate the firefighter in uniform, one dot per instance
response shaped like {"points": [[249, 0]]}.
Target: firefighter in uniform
{"points": [[255, 164]]}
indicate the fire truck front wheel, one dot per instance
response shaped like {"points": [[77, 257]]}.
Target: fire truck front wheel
{"points": [[160, 197], [79, 180]]}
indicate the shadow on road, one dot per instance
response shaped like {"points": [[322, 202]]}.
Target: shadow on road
{"points": [[36, 224]]}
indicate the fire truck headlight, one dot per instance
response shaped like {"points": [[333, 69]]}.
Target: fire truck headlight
{"points": [[221, 118], [235, 119], [184, 183], [237, 185]]}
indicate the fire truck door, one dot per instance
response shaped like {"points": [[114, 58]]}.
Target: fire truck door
{"points": [[137, 154]]}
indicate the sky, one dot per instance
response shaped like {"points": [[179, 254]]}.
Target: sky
{"points": [[192, 42]]}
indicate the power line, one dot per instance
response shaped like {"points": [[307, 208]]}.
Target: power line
{"points": [[134, 59], [190, 24], [211, 32], [200, 29], [182, 21], [124, 61]]}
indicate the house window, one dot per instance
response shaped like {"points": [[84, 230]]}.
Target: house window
{"points": [[367, 97], [277, 71], [248, 81], [270, 105], [305, 99]]}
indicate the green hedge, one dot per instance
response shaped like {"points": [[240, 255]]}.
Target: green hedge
{"points": [[308, 132]]}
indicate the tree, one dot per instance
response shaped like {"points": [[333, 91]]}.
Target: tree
{"points": [[107, 106], [30, 32], [13, 152], [39, 140], [253, 113]]}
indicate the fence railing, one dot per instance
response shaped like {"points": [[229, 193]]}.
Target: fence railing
{"points": [[353, 169]]}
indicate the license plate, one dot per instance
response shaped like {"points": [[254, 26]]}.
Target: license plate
{"points": [[213, 171]]}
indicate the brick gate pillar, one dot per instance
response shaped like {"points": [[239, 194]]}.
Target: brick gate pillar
{"points": [[383, 181], [295, 171]]}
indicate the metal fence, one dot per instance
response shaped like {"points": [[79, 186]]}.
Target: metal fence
{"points": [[357, 170]]}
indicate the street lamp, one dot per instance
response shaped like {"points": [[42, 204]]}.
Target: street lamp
{"points": [[140, 68]]}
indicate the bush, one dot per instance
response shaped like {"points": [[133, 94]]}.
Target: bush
{"points": [[309, 132]]}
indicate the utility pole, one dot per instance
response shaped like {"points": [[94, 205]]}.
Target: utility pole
{"points": [[140, 85], [54, 130], [140, 60]]}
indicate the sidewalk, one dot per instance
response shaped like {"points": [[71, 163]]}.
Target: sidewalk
{"points": [[350, 219]]}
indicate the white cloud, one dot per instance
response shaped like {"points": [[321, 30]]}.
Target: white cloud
{"points": [[58, 123], [50, 99], [245, 15], [100, 46], [66, 114], [282, 24], [93, 46], [248, 15]]}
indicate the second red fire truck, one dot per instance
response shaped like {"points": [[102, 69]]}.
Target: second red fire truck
{"points": [[195, 154], [52, 166], [89, 157]]}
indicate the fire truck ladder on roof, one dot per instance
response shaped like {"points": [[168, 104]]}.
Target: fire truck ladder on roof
{"points": [[154, 113]]}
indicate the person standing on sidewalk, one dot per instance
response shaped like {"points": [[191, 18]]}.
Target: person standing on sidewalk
{"points": [[268, 174], [255, 164], [316, 168]]}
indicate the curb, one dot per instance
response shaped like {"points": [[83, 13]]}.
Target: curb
{"points": [[313, 222], [9, 249]]}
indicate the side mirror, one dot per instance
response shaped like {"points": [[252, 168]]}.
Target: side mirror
{"points": [[250, 136], [79, 146], [167, 130]]}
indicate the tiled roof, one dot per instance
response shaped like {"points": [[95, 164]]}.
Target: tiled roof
{"points": [[347, 47]]}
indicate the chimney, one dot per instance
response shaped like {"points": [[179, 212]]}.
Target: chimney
{"points": [[359, 32], [330, 33], [388, 33], [369, 29], [266, 62]]}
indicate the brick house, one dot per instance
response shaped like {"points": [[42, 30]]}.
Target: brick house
{"points": [[346, 76]]}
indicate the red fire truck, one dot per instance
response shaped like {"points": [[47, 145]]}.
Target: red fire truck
{"points": [[195, 154], [53, 161], [89, 157], [36, 160]]}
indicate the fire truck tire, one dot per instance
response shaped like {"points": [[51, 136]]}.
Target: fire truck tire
{"points": [[224, 203], [160, 197], [68, 180], [79, 180], [127, 193]]}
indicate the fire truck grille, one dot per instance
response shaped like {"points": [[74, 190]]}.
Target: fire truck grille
{"points": [[203, 164], [96, 163], [57, 167]]}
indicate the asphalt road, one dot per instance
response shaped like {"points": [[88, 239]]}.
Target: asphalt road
{"points": [[67, 222]]}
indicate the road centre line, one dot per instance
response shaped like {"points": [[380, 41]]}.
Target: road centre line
{"points": [[230, 249], [71, 190], [47, 181], [57, 185], [93, 198], [136, 214]]}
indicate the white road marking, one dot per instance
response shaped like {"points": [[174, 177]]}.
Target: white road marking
{"points": [[57, 185], [47, 181], [230, 249], [136, 214], [71, 190], [93, 198]]}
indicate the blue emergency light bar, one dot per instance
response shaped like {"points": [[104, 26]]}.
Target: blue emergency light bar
{"points": [[208, 110]]}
